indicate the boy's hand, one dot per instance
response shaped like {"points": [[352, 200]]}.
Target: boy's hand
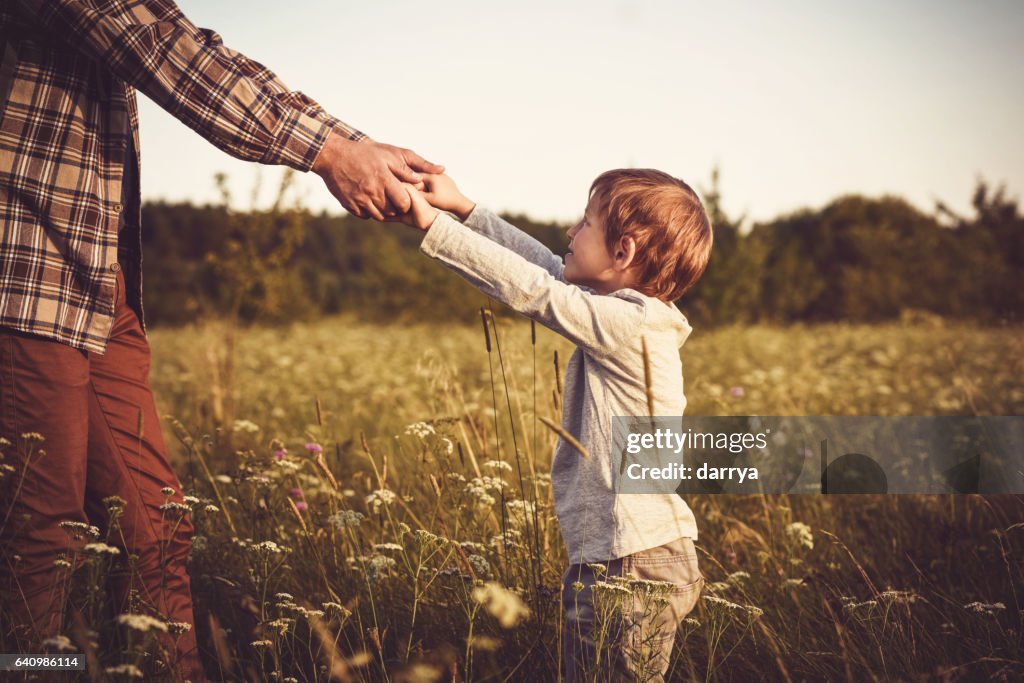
{"points": [[442, 193], [422, 214]]}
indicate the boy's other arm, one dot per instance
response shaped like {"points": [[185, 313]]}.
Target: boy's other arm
{"points": [[596, 323]]}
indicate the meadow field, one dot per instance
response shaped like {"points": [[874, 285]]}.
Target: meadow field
{"points": [[372, 503]]}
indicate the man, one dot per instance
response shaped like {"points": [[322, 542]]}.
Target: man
{"points": [[74, 359]]}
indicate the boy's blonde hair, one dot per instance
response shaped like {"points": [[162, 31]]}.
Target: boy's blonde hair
{"points": [[665, 218]]}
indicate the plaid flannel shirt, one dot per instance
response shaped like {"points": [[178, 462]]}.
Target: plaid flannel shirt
{"points": [[69, 121]]}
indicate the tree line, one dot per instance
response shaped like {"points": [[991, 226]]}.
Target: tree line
{"points": [[857, 259]]}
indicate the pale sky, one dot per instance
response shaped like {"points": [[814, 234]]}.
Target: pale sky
{"points": [[798, 102]]}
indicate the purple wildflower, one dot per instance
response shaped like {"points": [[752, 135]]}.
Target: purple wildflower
{"points": [[281, 454], [302, 506], [296, 493], [737, 392], [314, 448]]}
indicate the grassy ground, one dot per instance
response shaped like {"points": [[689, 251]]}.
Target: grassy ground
{"points": [[365, 456]]}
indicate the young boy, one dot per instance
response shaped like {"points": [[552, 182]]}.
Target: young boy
{"points": [[643, 241]]}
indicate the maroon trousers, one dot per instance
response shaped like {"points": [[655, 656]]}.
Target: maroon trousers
{"points": [[101, 438]]}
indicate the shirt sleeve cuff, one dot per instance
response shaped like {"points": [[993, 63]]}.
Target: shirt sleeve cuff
{"points": [[299, 142], [443, 228], [343, 128]]}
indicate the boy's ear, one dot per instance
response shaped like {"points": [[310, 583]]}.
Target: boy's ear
{"points": [[625, 252]]}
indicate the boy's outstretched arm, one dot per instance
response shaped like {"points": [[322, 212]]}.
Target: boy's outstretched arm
{"points": [[597, 323], [442, 193]]}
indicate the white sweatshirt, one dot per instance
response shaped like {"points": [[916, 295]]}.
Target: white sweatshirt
{"points": [[604, 378]]}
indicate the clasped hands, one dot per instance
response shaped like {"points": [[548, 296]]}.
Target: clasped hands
{"points": [[435, 193], [388, 183]]}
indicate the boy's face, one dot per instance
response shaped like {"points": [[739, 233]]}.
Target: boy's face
{"points": [[588, 261]]}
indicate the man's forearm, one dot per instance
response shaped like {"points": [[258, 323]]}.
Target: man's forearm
{"points": [[157, 53]]}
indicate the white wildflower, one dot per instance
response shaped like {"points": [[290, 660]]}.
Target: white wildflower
{"points": [[715, 600], [479, 564], [379, 566], [424, 537], [501, 603], [800, 533], [498, 465], [61, 643], [379, 498], [345, 518], [851, 604], [733, 607], [129, 670], [737, 577], [985, 608], [610, 590], [420, 429], [269, 547], [649, 587], [141, 622], [521, 511], [381, 547], [481, 488], [336, 608], [246, 426], [899, 596], [281, 625], [178, 628], [101, 549], [509, 538]]}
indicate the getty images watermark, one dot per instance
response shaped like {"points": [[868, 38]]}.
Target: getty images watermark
{"points": [[771, 454]]}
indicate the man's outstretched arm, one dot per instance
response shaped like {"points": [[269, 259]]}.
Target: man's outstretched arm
{"points": [[151, 46]]}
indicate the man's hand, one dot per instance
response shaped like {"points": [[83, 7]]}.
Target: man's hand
{"points": [[421, 214], [367, 176], [441, 191]]}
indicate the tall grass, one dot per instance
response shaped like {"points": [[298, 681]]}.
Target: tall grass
{"points": [[376, 506]]}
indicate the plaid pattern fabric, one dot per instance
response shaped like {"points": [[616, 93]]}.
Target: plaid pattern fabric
{"points": [[70, 70]]}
